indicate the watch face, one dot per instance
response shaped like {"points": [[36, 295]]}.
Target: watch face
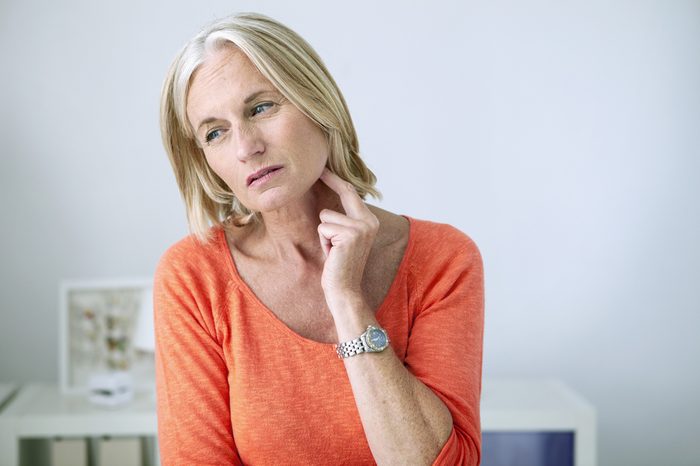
{"points": [[377, 339]]}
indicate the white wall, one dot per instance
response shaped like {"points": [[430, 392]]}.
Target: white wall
{"points": [[562, 136]]}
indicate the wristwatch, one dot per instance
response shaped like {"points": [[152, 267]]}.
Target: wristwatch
{"points": [[374, 340]]}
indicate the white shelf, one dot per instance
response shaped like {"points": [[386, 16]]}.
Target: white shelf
{"points": [[540, 405], [42, 411], [507, 405]]}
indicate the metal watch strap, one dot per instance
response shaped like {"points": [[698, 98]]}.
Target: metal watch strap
{"points": [[351, 348], [365, 343]]}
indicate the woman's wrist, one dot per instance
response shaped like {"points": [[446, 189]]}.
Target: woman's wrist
{"points": [[351, 315], [342, 301]]}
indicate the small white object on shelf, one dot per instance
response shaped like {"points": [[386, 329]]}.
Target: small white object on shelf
{"points": [[97, 321], [144, 338], [111, 388]]}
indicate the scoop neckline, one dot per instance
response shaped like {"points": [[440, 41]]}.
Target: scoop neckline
{"points": [[242, 285]]}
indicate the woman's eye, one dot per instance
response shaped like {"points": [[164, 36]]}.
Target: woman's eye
{"points": [[211, 135], [261, 108]]}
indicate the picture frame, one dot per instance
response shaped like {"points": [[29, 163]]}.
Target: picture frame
{"points": [[98, 320]]}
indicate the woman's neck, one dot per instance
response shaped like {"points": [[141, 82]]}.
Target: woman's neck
{"points": [[289, 235]]}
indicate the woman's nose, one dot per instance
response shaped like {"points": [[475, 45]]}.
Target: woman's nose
{"points": [[248, 142]]}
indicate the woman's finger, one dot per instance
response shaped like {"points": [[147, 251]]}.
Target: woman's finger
{"points": [[333, 231], [352, 202], [325, 243], [329, 233], [332, 216]]}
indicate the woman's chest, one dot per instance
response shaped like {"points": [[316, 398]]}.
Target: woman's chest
{"points": [[299, 301]]}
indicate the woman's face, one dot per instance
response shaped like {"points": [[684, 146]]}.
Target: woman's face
{"points": [[244, 125]]}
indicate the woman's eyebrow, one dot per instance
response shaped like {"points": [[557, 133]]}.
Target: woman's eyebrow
{"points": [[256, 94], [247, 100], [206, 121]]}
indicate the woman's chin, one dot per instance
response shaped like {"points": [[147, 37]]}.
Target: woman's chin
{"points": [[271, 200], [276, 198]]}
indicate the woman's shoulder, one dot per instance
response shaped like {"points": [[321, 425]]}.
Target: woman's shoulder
{"points": [[437, 244], [427, 242], [443, 256], [442, 235], [193, 255]]}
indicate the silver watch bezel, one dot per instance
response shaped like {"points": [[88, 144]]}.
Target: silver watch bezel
{"points": [[368, 344]]}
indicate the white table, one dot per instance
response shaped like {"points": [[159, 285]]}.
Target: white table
{"points": [[540, 405], [41, 411]]}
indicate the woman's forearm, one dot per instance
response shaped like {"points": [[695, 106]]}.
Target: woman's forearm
{"points": [[403, 420]]}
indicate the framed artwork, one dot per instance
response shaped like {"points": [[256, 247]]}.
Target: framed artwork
{"points": [[98, 323]]}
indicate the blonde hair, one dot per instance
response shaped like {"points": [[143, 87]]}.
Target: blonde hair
{"points": [[295, 69]]}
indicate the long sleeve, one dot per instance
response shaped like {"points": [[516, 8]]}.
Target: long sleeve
{"points": [[445, 344], [194, 424]]}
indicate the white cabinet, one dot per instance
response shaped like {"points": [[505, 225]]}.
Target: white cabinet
{"points": [[521, 419], [39, 413], [514, 412]]}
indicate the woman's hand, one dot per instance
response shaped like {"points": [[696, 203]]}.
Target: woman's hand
{"points": [[346, 241]]}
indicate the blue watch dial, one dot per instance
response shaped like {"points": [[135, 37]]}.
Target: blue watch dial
{"points": [[376, 339]]}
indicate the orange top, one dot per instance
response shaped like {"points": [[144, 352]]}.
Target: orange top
{"points": [[235, 385]]}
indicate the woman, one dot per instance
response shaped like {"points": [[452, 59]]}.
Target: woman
{"points": [[298, 324]]}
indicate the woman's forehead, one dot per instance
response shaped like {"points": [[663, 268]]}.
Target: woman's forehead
{"points": [[226, 63], [225, 71]]}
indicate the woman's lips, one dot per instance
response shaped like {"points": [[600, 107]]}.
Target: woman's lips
{"points": [[256, 179]]}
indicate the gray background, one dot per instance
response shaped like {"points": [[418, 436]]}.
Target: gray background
{"points": [[563, 137]]}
